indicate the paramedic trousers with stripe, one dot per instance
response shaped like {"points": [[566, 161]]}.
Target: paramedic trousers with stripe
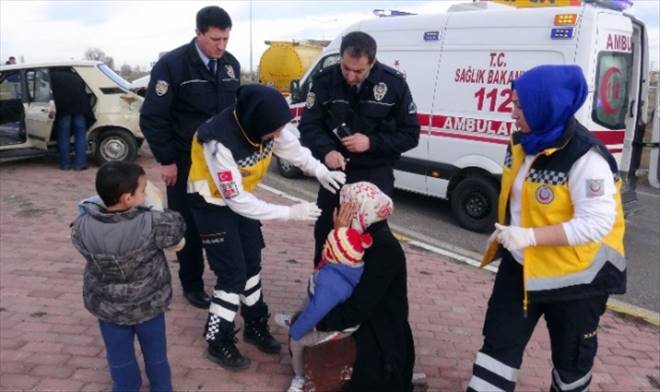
{"points": [[233, 246], [572, 326]]}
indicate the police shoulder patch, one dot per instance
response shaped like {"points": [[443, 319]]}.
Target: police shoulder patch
{"points": [[311, 100], [161, 87], [412, 108]]}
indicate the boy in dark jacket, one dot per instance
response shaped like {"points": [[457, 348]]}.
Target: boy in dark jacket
{"points": [[127, 283]]}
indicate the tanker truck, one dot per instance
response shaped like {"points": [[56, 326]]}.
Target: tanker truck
{"points": [[285, 61]]}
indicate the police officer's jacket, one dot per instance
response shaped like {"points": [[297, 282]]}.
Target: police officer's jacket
{"points": [[383, 110], [562, 272], [227, 166], [182, 94]]}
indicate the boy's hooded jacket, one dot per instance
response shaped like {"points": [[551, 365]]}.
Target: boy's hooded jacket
{"points": [[126, 280]]}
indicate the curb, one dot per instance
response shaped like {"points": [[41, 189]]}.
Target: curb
{"points": [[466, 257]]}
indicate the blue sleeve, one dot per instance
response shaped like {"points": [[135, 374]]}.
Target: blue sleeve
{"points": [[155, 115], [328, 292]]}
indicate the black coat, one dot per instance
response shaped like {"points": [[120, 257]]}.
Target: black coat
{"points": [[69, 93], [379, 303], [383, 110], [182, 94]]}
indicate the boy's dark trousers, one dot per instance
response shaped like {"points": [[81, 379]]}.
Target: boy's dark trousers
{"points": [[572, 325], [122, 362], [381, 176]]}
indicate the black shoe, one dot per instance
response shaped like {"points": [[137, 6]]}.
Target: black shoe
{"points": [[258, 334], [198, 299], [225, 353]]}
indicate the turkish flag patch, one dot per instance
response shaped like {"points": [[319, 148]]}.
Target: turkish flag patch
{"points": [[225, 176]]}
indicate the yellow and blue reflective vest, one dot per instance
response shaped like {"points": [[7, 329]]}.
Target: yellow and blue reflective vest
{"points": [[561, 272]]}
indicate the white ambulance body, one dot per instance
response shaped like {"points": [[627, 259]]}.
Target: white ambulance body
{"points": [[459, 66]]}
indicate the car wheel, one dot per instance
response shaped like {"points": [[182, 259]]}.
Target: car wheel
{"points": [[474, 203], [287, 169], [115, 145]]}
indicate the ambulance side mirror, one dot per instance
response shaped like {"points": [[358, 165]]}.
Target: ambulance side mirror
{"points": [[294, 89]]}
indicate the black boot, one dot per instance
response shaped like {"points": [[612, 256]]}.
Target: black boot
{"points": [[224, 352], [258, 334]]}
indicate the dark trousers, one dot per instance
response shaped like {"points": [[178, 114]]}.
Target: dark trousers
{"points": [[122, 362], [381, 176], [65, 124], [233, 246], [572, 325], [191, 258]]}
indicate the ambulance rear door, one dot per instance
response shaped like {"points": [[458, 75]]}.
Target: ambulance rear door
{"points": [[618, 66]]}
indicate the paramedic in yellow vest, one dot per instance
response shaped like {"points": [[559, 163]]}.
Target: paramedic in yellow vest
{"points": [[560, 236], [230, 155]]}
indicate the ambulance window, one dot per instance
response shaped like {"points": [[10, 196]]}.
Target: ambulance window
{"points": [[330, 60], [611, 95], [324, 63]]}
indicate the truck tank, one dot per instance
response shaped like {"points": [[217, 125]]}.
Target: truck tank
{"points": [[285, 61]]}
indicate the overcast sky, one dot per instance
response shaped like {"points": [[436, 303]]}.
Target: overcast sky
{"points": [[134, 32]]}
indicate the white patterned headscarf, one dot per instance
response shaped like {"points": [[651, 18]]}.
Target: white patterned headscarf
{"points": [[371, 204]]}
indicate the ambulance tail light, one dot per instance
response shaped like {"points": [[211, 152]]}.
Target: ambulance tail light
{"points": [[565, 19], [562, 33]]}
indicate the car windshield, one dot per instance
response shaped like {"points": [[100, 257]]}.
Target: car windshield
{"points": [[121, 82]]}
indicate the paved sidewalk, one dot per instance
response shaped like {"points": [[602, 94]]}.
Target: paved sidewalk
{"points": [[48, 341]]}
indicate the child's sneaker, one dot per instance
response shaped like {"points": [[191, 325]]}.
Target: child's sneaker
{"points": [[283, 320], [297, 384]]}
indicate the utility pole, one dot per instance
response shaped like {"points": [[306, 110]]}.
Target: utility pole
{"points": [[250, 38]]}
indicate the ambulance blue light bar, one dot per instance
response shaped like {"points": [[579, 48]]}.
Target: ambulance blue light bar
{"points": [[617, 5], [562, 33]]}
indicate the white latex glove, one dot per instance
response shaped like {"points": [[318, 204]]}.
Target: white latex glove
{"points": [[304, 211], [515, 237], [330, 180]]}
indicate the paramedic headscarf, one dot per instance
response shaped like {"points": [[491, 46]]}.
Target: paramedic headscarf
{"points": [[549, 96], [372, 205], [261, 110]]}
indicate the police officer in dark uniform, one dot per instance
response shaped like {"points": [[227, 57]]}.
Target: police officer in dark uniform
{"points": [[359, 117], [189, 85]]}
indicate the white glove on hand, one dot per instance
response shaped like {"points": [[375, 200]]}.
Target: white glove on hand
{"points": [[330, 180], [304, 211], [515, 237]]}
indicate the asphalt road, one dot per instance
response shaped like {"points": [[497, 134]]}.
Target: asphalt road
{"points": [[430, 220]]}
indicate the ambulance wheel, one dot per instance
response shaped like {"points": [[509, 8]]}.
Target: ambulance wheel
{"points": [[115, 145], [287, 169], [474, 203]]}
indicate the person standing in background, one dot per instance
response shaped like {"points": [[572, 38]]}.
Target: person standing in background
{"points": [[72, 107]]}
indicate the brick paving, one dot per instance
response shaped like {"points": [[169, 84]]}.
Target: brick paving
{"points": [[48, 341]]}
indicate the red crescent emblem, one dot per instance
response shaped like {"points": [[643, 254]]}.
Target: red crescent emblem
{"points": [[604, 89]]}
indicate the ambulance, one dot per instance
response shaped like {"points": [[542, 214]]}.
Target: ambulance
{"points": [[459, 66]]}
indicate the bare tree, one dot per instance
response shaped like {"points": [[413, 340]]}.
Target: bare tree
{"points": [[99, 55]]}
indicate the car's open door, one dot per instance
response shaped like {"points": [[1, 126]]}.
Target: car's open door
{"points": [[40, 112]]}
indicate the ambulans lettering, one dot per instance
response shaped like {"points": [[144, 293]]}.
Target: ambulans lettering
{"points": [[476, 125], [620, 43]]}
